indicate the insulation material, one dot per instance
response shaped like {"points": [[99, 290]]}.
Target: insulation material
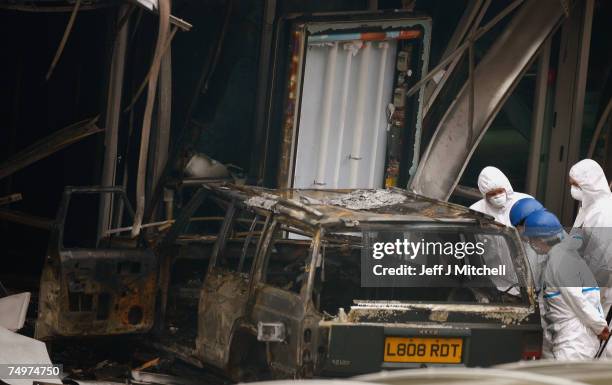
{"points": [[367, 199], [342, 128], [13, 309]]}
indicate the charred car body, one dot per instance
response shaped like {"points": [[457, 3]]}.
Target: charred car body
{"points": [[268, 285]]}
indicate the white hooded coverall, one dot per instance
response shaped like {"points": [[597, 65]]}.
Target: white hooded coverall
{"points": [[574, 316], [537, 264], [492, 178], [595, 220]]}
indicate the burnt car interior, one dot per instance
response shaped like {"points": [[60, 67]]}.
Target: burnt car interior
{"points": [[188, 244], [338, 284], [238, 252], [286, 265]]}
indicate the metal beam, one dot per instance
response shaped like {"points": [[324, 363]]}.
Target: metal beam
{"points": [[62, 44], [26, 219], [470, 20], [49, 145], [163, 37], [569, 104], [538, 120], [601, 122], [495, 77], [164, 114], [258, 154], [112, 118], [5, 200], [160, 137], [462, 48]]}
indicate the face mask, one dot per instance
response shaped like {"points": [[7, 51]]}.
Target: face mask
{"points": [[498, 200], [576, 193]]}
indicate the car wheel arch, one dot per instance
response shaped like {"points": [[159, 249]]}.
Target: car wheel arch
{"points": [[245, 348]]}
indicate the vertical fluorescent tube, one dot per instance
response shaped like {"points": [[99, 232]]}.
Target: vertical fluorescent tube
{"points": [[355, 156], [350, 51], [379, 107], [326, 114]]}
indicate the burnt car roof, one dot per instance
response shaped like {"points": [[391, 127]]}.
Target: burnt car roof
{"points": [[350, 206]]}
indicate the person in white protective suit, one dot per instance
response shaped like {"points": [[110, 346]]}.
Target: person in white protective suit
{"points": [[537, 262], [593, 223], [498, 195], [573, 312]]}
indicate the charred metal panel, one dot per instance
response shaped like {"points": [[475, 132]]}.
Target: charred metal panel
{"points": [[222, 302], [277, 305], [108, 292], [445, 313]]}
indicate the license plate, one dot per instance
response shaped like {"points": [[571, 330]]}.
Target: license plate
{"points": [[414, 349]]}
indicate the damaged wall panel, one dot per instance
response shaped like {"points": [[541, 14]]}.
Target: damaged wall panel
{"points": [[354, 80]]}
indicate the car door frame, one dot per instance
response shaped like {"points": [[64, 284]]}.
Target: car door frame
{"points": [[221, 315], [270, 304], [99, 290]]}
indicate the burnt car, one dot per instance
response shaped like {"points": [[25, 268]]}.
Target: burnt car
{"points": [[262, 283], [281, 295]]}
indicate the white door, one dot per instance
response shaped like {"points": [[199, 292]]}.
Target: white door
{"points": [[342, 128]]}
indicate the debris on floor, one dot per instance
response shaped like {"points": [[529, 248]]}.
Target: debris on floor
{"points": [[124, 361], [23, 351], [13, 310]]}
